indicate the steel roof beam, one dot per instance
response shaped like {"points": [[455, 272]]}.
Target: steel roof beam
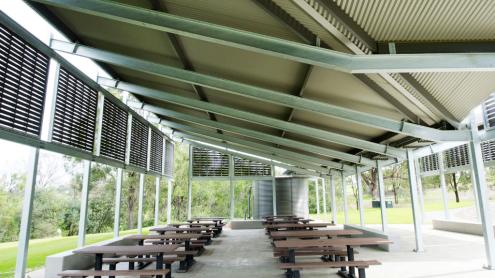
{"points": [[260, 159], [261, 93], [205, 139], [278, 47], [261, 147], [305, 130]]}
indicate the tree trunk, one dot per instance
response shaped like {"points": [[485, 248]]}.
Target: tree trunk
{"points": [[456, 191], [396, 197]]}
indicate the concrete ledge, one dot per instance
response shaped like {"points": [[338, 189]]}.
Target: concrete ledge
{"points": [[369, 232], [246, 224], [68, 260], [458, 226]]}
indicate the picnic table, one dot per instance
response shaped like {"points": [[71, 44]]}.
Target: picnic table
{"points": [[313, 234], [137, 250], [285, 221], [349, 243], [163, 230], [296, 226]]}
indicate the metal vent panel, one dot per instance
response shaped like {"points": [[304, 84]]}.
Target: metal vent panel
{"points": [[139, 144], [23, 80], [75, 112], [209, 163], [429, 163], [489, 112], [113, 131], [156, 152], [169, 159], [245, 167], [488, 150], [458, 156]]}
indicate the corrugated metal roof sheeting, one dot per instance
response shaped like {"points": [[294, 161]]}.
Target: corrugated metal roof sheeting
{"points": [[423, 20], [459, 92]]}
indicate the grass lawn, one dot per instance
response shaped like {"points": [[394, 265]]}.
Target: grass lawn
{"points": [[396, 215], [40, 248]]}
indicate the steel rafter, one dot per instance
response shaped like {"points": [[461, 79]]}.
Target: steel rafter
{"points": [[261, 93], [278, 47]]}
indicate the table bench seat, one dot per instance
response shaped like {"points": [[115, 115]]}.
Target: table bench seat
{"points": [[114, 273], [293, 268]]}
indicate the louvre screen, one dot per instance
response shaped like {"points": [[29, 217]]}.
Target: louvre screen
{"points": [[75, 112], [456, 157], [489, 112], [209, 163], [169, 159], [245, 167], [113, 131], [156, 152], [139, 144], [429, 163], [23, 79], [488, 150]]}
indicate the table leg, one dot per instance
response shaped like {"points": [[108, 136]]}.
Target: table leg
{"points": [[350, 257], [159, 263], [98, 263]]}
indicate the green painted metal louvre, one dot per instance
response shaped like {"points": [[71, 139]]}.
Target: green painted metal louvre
{"points": [[209, 163], [246, 167], [156, 152], [23, 80], [169, 159], [75, 112], [113, 131], [139, 144]]}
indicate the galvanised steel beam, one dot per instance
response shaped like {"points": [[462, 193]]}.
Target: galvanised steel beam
{"points": [[204, 139], [258, 119], [260, 135], [261, 159], [278, 47], [258, 146], [259, 93]]}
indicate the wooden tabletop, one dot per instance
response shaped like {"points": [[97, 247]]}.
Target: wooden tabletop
{"points": [[174, 229], [194, 224], [164, 236], [298, 225], [357, 241], [128, 250], [314, 233], [207, 218]]}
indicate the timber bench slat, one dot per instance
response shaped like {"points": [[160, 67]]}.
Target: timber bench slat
{"points": [[313, 253], [116, 273], [166, 259], [306, 265]]}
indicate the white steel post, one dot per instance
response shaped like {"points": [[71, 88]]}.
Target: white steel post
{"points": [[189, 184], [482, 191], [118, 199], [140, 203], [333, 200], [443, 186], [317, 191], [157, 200], [421, 198], [27, 209], [83, 214], [381, 192], [231, 183], [360, 196], [274, 191], [414, 201], [324, 195], [475, 188], [344, 199], [169, 200]]}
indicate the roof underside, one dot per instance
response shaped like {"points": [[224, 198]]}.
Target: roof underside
{"points": [[404, 21]]}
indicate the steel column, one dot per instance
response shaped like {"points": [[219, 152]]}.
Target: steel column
{"points": [[231, 184], [118, 199], [475, 188], [317, 192], [414, 201], [359, 185], [27, 209], [274, 191], [169, 200], [344, 199], [83, 213], [189, 184], [482, 191], [421, 198], [324, 195], [443, 186], [333, 199], [140, 203], [381, 191], [157, 200]]}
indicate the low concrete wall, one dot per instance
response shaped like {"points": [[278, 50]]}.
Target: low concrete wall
{"points": [[368, 232], [457, 226], [68, 260], [246, 224]]}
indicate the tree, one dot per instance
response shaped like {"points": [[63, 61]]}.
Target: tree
{"points": [[369, 178], [458, 181]]}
